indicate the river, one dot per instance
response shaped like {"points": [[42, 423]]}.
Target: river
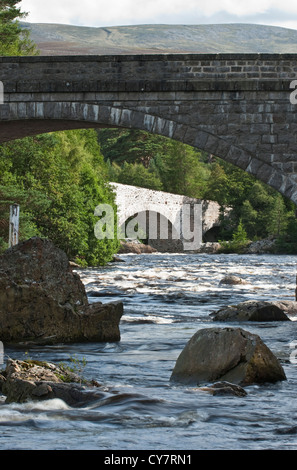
{"points": [[167, 298]]}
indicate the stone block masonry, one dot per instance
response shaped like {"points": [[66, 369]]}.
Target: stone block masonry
{"points": [[235, 106]]}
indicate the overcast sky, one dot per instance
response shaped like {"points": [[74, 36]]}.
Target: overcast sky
{"points": [[131, 12]]}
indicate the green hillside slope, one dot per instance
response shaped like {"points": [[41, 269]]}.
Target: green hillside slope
{"points": [[58, 39]]}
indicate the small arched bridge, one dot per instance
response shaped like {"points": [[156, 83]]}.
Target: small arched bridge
{"points": [[240, 107], [160, 217]]}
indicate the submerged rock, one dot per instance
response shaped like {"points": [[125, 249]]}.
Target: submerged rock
{"points": [[117, 259], [24, 381], [251, 310], [42, 300], [226, 354], [224, 388], [232, 280]]}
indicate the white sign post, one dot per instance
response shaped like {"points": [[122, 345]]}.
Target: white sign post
{"points": [[14, 225], [1, 353]]}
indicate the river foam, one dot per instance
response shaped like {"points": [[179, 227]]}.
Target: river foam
{"points": [[167, 298]]}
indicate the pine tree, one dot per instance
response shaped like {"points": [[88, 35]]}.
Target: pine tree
{"points": [[240, 234], [14, 40], [278, 217], [249, 217]]}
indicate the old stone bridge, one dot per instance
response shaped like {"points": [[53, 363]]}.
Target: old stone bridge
{"points": [[240, 107], [161, 217]]}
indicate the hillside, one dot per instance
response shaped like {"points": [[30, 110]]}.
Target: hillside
{"points": [[59, 39]]}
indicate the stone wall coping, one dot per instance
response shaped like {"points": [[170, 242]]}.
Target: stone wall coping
{"points": [[214, 84], [149, 57]]}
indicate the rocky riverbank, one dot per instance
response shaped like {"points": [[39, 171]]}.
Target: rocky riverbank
{"points": [[30, 380], [135, 247], [42, 300], [257, 247]]}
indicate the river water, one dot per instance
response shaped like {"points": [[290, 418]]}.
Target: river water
{"points": [[167, 298]]}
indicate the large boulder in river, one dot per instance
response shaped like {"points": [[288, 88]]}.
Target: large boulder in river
{"points": [[251, 310], [42, 300], [226, 354]]}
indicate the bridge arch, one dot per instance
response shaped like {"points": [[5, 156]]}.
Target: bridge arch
{"points": [[160, 231], [37, 118], [235, 106], [156, 212], [146, 207]]}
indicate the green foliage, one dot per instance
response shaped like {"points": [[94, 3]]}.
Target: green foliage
{"points": [[287, 242], [228, 184], [131, 146], [262, 210], [240, 234], [14, 40], [76, 366], [217, 185], [58, 179], [238, 243], [135, 174], [250, 218], [155, 162], [182, 170], [279, 217]]}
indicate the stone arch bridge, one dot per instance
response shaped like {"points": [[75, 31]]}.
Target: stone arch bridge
{"points": [[240, 107], [159, 207]]}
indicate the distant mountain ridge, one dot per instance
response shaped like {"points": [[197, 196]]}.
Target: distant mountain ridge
{"points": [[59, 39]]}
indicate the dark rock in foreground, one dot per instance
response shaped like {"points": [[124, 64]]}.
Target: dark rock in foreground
{"points": [[251, 310], [42, 300], [226, 354], [24, 381]]}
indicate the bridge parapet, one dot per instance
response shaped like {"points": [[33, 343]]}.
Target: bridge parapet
{"points": [[143, 72]]}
